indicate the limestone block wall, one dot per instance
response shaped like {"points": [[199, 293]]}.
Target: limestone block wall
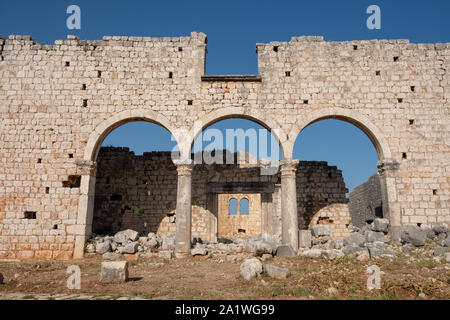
{"points": [[337, 217], [58, 102], [365, 202]]}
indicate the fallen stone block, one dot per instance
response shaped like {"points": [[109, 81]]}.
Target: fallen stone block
{"points": [[332, 254], [103, 247], [251, 268], [285, 251], [355, 239], [380, 225], [414, 235], [304, 239], [114, 271], [124, 236], [276, 272], [312, 253], [440, 228], [372, 236], [319, 231], [446, 242], [199, 251], [438, 251], [90, 248], [131, 247]]}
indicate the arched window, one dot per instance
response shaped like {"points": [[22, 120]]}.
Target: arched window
{"points": [[232, 206], [243, 206]]}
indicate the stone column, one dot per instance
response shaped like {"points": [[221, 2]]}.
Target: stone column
{"points": [[387, 169], [289, 220], [183, 209]]}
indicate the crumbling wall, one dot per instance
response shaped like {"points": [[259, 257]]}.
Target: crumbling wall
{"points": [[365, 202]]}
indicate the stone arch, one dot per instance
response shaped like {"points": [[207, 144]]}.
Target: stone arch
{"points": [[235, 112], [360, 121], [391, 208], [83, 227], [103, 129]]}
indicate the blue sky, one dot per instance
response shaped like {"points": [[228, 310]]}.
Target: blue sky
{"points": [[233, 28]]}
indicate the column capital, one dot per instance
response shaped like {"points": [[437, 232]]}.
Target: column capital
{"points": [[387, 165], [184, 167], [288, 167]]}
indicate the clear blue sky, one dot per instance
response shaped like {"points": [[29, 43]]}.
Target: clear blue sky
{"points": [[233, 28]]}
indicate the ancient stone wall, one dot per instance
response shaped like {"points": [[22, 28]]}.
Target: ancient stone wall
{"points": [[58, 102], [365, 202], [139, 192]]}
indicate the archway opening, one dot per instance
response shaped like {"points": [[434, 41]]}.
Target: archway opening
{"points": [[236, 168], [337, 177], [136, 181]]}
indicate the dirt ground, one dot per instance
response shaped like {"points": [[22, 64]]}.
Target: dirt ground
{"points": [[404, 277]]}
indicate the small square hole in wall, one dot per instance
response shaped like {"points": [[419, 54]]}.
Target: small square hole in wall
{"points": [[434, 192], [411, 122], [83, 86], [305, 101], [377, 72], [99, 74], [55, 227], [190, 102], [170, 75], [29, 215], [70, 155], [47, 190], [180, 49], [67, 64], [329, 175], [395, 59], [404, 155], [275, 48], [39, 160], [84, 103], [400, 100], [288, 73], [413, 88], [355, 47]]}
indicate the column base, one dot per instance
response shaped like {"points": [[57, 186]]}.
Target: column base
{"points": [[181, 255]]}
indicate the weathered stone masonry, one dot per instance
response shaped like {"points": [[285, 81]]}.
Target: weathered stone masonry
{"points": [[58, 102], [140, 193]]}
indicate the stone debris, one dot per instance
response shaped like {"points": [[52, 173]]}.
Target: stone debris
{"points": [[114, 271], [251, 268], [276, 272], [285, 251]]}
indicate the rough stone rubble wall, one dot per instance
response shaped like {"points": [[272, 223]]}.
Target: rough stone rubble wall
{"points": [[53, 97], [148, 182], [365, 202]]}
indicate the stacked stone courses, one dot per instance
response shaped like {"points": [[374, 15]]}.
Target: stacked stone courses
{"points": [[58, 102]]}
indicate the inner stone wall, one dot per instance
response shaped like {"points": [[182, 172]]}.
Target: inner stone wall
{"points": [[365, 202], [139, 192]]}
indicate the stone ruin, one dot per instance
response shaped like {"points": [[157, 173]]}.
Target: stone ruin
{"points": [[58, 103]]}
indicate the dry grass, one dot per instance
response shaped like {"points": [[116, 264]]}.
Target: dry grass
{"points": [[197, 278]]}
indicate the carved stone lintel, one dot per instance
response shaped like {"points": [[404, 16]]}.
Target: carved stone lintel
{"points": [[387, 165]]}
